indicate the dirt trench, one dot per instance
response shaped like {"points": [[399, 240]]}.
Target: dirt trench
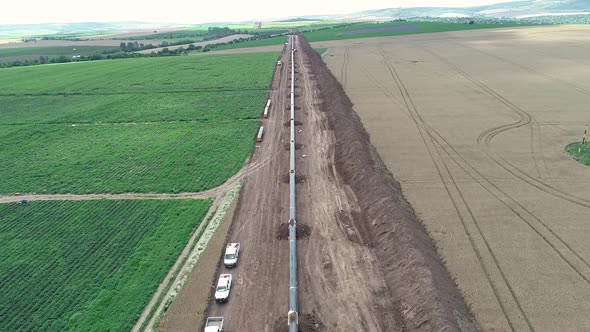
{"points": [[423, 290]]}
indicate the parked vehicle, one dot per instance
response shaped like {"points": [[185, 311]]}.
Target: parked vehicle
{"points": [[223, 288], [232, 253], [260, 134], [214, 324]]}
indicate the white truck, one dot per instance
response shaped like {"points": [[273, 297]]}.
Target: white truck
{"points": [[214, 324], [223, 288], [232, 252]]}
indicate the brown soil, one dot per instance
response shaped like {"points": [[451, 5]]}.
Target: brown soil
{"points": [[415, 273], [288, 147], [301, 230], [307, 323], [299, 178], [288, 123]]}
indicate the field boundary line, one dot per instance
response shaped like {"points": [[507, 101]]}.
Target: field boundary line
{"points": [[221, 206], [113, 93], [248, 169]]}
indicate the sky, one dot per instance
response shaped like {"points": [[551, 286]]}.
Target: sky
{"points": [[196, 11]]}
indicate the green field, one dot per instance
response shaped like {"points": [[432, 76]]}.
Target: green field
{"points": [[53, 50], [163, 125], [583, 155], [421, 27], [87, 265], [33, 53]]}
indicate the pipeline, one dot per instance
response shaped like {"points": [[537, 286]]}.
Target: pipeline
{"points": [[293, 319]]}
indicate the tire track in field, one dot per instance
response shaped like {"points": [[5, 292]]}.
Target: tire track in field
{"points": [[514, 206], [574, 260], [577, 262], [458, 200], [344, 69], [528, 69], [485, 138]]}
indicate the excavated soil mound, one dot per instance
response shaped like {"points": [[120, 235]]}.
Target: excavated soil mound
{"points": [[298, 177], [297, 146], [301, 230], [307, 323], [417, 277], [288, 123]]}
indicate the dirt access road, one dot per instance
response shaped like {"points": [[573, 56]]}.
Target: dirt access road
{"points": [[345, 282], [474, 124]]}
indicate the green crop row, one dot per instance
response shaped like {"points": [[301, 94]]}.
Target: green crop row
{"points": [[87, 265], [52, 51], [185, 106], [143, 75], [116, 158], [161, 125]]}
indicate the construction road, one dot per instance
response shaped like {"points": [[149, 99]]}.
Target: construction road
{"points": [[335, 269]]}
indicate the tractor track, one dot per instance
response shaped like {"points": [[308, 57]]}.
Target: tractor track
{"points": [[575, 261], [248, 169], [485, 138], [517, 208], [344, 70], [414, 115]]}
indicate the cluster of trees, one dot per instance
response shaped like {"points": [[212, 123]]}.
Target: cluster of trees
{"points": [[135, 46], [46, 59], [127, 50]]}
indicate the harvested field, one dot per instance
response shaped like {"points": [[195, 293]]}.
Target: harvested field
{"points": [[203, 44], [474, 125]]}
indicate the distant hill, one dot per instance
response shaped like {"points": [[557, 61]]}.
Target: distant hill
{"points": [[513, 9], [296, 19], [82, 29]]}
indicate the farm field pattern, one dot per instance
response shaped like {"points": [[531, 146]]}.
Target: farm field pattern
{"points": [[165, 125], [474, 125], [68, 265], [363, 30], [33, 53]]}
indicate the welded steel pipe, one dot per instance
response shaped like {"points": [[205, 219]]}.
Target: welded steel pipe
{"points": [[293, 315]]}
